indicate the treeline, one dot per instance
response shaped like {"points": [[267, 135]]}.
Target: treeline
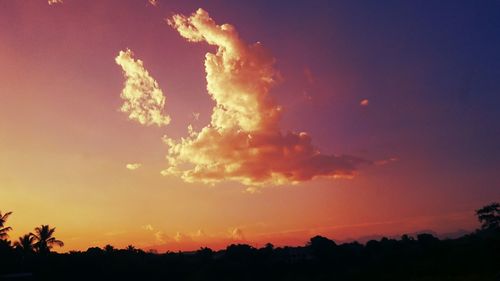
{"points": [[475, 256]]}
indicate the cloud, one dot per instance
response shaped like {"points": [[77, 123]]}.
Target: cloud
{"points": [[147, 227], [386, 161], [133, 166], [143, 99], [52, 2], [364, 102], [200, 234], [181, 237], [153, 2], [243, 141], [237, 234], [161, 237], [196, 116]]}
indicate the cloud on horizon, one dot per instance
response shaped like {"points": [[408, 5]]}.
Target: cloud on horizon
{"points": [[143, 99], [237, 234], [243, 141]]}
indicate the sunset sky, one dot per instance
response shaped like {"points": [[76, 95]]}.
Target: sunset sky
{"points": [[178, 124]]}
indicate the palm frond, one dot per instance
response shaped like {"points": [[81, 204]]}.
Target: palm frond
{"points": [[4, 217], [5, 229]]}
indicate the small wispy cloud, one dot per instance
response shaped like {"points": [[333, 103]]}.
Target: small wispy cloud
{"points": [[153, 2], [143, 99], [161, 237], [196, 116], [147, 227], [52, 2], [364, 102], [386, 161], [200, 233], [133, 166], [181, 237], [237, 234]]}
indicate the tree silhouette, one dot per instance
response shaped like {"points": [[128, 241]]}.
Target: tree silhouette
{"points": [[26, 243], [131, 249], [45, 240], [489, 216], [472, 257], [321, 247], [3, 228], [109, 248]]}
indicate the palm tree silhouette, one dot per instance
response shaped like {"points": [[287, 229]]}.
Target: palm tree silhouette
{"points": [[26, 243], [45, 240], [3, 229]]}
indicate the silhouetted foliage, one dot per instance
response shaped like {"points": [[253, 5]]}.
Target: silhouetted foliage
{"points": [[4, 229], [109, 248], [45, 240], [26, 244], [489, 216], [473, 257], [322, 247], [205, 253]]}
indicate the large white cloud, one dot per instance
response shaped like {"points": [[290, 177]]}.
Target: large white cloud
{"points": [[143, 99], [243, 141]]}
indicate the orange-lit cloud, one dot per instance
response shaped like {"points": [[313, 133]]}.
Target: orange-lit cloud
{"points": [[161, 237], [148, 227], [133, 166], [243, 141], [153, 2], [237, 234], [143, 99], [52, 2], [386, 161], [181, 237]]}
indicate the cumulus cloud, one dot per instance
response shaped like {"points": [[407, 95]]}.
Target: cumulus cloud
{"points": [[143, 99], [52, 2], [243, 141], [133, 166]]}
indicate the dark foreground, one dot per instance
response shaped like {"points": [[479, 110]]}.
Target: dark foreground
{"points": [[472, 257]]}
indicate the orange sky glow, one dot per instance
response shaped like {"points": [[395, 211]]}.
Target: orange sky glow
{"points": [[167, 126]]}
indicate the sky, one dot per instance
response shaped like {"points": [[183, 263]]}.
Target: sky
{"points": [[172, 125]]}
